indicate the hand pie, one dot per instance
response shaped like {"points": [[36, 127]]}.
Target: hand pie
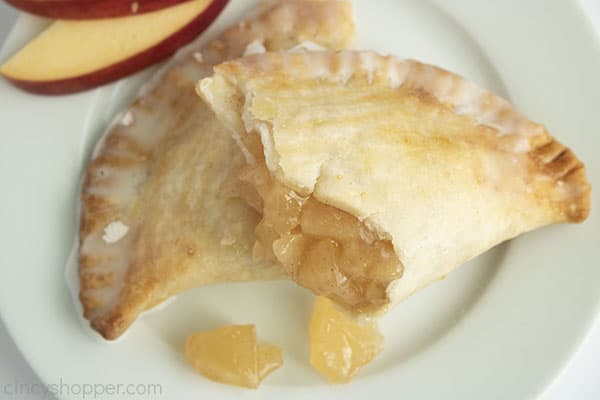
{"points": [[160, 205], [375, 177]]}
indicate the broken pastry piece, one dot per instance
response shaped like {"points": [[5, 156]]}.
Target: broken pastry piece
{"points": [[161, 210], [375, 176]]}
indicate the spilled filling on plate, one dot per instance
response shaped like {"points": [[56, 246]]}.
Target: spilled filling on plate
{"points": [[339, 344], [231, 355]]}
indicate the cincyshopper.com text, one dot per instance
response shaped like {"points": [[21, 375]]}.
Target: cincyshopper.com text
{"points": [[20, 390]]}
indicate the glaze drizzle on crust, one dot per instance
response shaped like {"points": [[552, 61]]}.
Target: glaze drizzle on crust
{"points": [[163, 177], [439, 166]]}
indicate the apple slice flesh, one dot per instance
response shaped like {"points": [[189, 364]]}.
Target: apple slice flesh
{"points": [[70, 56], [90, 9]]}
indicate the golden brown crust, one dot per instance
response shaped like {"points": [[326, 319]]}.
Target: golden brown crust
{"points": [[565, 187], [138, 179], [564, 170], [549, 157]]}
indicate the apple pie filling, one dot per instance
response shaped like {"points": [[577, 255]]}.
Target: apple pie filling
{"points": [[231, 355], [323, 248], [339, 345]]}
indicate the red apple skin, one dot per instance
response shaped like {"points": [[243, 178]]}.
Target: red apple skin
{"points": [[89, 9], [137, 62]]}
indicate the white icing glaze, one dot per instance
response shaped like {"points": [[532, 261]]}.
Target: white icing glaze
{"points": [[522, 145], [395, 75], [114, 232], [346, 68], [72, 279], [340, 279], [306, 45], [72, 273], [255, 47], [198, 56], [127, 118], [370, 63]]}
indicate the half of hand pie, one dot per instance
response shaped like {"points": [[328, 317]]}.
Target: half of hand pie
{"points": [[376, 177], [160, 205]]}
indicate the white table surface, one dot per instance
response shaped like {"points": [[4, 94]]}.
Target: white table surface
{"points": [[580, 380]]}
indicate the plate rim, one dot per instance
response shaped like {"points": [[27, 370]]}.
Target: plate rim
{"points": [[580, 334]]}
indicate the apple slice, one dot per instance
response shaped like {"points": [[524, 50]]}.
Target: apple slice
{"points": [[89, 9], [71, 56]]}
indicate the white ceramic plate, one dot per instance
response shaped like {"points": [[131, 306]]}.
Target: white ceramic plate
{"points": [[500, 327]]}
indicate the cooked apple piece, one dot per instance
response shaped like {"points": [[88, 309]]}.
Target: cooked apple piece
{"points": [[70, 56], [323, 248], [82, 9], [269, 359], [339, 344], [230, 355]]}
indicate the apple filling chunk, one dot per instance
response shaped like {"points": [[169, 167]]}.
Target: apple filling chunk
{"points": [[339, 345], [323, 248], [231, 355]]}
